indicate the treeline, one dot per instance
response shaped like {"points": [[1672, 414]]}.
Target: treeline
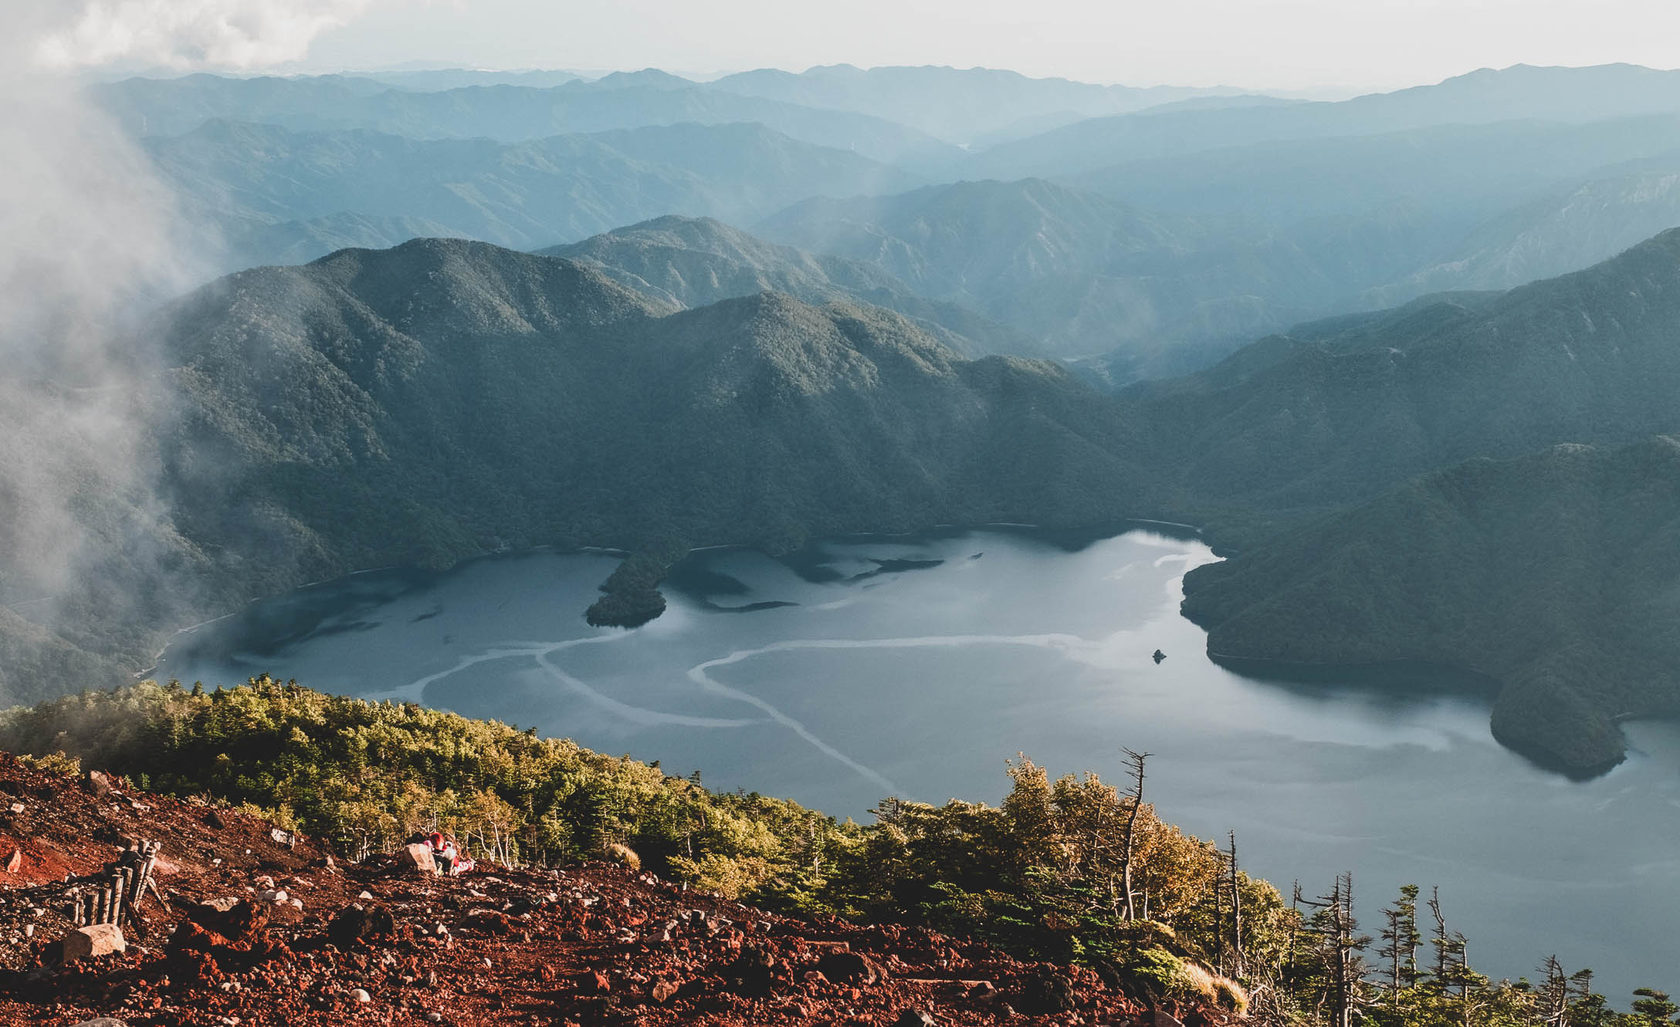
{"points": [[1070, 869]]}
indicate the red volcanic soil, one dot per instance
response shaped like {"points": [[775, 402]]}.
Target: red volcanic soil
{"points": [[373, 944]]}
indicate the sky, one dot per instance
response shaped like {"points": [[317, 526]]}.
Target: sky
{"points": [[1312, 46]]}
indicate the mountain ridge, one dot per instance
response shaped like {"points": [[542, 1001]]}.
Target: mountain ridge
{"points": [[1559, 94], [506, 113], [697, 261]]}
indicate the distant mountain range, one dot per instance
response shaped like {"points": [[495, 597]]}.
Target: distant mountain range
{"points": [[275, 193], [1571, 227], [972, 106], [1083, 272], [1151, 234], [505, 113], [1485, 97]]}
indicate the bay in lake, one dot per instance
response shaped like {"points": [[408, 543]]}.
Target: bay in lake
{"points": [[913, 666]]}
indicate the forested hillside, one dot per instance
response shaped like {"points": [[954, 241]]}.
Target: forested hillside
{"points": [[442, 399], [1333, 413], [1556, 575]]}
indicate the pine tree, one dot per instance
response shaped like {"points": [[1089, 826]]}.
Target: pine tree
{"points": [[1400, 939], [1653, 1007]]}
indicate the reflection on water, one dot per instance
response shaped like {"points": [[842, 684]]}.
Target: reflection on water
{"points": [[914, 666]]}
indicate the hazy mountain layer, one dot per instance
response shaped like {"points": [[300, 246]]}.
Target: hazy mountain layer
{"points": [[959, 105], [283, 196], [505, 113], [692, 262], [1557, 575], [438, 79], [1572, 227], [1565, 95], [1455, 171], [1084, 272], [1220, 218]]}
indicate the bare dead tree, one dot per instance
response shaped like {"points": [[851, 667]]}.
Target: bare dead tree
{"points": [[1338, 947], [1554, 993], [1136, 759], [1236, 908], [1440, 940]]}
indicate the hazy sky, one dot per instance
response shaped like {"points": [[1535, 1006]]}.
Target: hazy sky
{"points": [[1280, 44]]}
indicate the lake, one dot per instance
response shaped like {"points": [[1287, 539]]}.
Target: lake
{"points": [[913, 666]]}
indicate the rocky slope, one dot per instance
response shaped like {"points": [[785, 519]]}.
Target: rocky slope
{"points": [[253, 925]]}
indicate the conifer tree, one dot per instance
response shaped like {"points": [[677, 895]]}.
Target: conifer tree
{"points": [[1400, 937]]}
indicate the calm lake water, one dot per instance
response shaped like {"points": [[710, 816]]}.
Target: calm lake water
{"points": [[913, 666]]}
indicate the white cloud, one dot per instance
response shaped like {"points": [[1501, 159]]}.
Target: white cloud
{"points": [[194, 33], [90, 240]]}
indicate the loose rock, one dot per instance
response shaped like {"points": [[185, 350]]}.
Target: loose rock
{"points": [[97, 940], [848, 968], [417, 857]]}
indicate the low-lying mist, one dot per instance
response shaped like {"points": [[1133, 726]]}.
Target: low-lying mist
{"points": [[91, 241]]}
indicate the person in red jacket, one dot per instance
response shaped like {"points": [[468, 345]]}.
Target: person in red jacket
{"points": [[448, 855]]}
